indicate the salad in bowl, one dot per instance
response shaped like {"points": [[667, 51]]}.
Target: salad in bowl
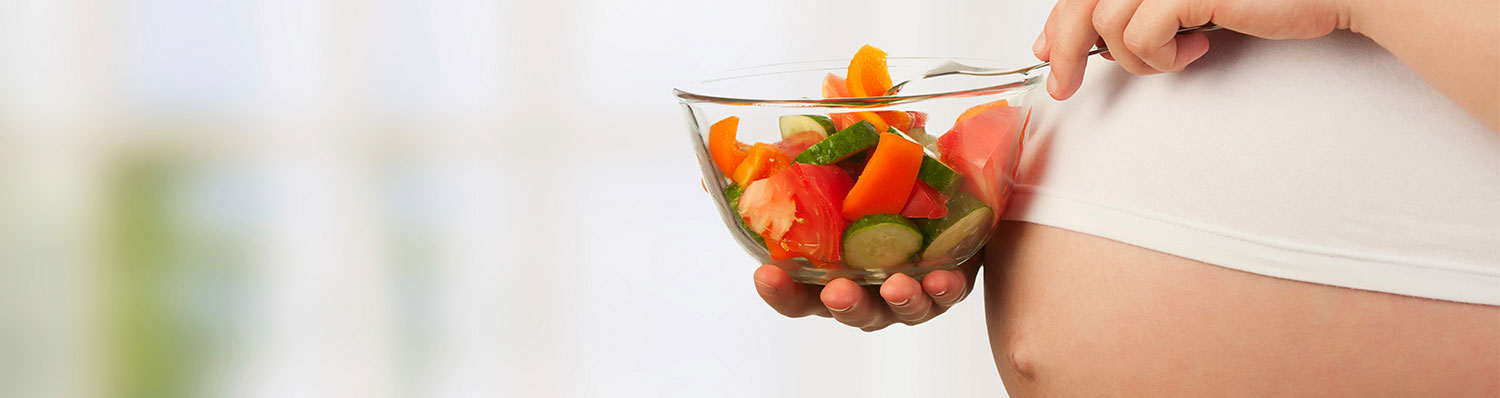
{"points": [[817, 170]]}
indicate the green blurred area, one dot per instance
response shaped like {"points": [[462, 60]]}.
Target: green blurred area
{"points": [[152, 348], [169, 281]]}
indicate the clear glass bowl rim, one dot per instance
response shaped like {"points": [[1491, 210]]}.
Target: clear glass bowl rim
{"points": [[694, 94]]}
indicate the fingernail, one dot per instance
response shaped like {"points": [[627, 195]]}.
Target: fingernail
{"points": [[900, 303], [940, 293], [1039, 45], [842, 310], [1052, 84], [765, 288]]}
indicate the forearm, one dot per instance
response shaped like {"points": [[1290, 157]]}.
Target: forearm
{"points": [[1451, 44]]}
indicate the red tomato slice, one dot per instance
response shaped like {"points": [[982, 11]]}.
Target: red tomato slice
{"points": [[798, 212], [842, 121], [778, 252], [818, 230], [794, 145], [918, 119], [768, 207], [984, 148], [925, 202], [834, 87], [852, 166]]}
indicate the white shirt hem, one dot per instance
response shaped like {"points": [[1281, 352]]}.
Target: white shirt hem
{"points": [[1242, 252]]}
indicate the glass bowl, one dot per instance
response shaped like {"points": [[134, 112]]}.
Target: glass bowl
{"points": [[823, 216]]}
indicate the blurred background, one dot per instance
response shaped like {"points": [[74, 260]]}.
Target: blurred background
{"points": [[404, 198]]}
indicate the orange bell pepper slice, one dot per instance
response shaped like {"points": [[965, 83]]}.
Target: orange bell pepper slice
{"points": [[868, 74], [763, 161], [981, 108], [874, 118], [726, 151], [887, 180], [896, 119]]}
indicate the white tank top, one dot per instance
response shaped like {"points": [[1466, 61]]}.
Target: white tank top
{"points": [[1325, 161]]}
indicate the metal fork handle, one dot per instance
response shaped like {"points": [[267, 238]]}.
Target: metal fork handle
{"points": [[955, 68], [1097, 50]]}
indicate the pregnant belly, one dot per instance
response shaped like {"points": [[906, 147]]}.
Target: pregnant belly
{"points": [[1076, 315]]}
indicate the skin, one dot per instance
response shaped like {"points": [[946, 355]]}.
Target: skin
{"points": [[900, 299], [1076, 315]]}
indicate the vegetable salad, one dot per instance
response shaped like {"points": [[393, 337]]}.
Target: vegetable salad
{"points": [[869, 189]]}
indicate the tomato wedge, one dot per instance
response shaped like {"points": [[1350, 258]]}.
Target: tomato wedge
{"points": [[778, 250], [918, 119], [795, 144], [819, 230], [984, 148], [981, 108], [842, 121], [768, 208], [815, 227], [925, 202], [835, 87]]}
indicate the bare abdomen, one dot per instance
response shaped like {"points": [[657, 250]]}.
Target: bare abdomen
{"points": [[1076, 315]]}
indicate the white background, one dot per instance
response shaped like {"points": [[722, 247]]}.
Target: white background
{"points": [[434, 198]]}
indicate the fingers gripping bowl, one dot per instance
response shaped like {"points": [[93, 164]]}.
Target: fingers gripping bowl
{"points": [[816, 172]]}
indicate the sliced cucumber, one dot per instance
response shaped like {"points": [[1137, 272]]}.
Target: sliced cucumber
{"points": [[843, 144], [933, 172], [879, 241], [938, 175], [733, 192], [792, 125], [967, 221], [920, 135]]}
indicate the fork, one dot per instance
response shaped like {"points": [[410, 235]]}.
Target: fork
{"points": [[955, 68]]}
